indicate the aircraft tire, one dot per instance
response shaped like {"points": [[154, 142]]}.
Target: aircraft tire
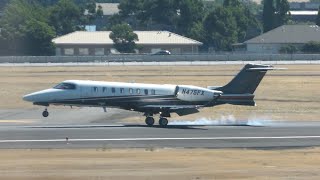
{"points": [[149, 121], [45, 113], [163, 122]]}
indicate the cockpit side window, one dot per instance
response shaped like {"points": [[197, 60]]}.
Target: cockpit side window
{"points": [[67, 86]]}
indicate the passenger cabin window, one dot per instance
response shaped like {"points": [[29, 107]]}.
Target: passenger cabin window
{"points": [[95, 89], [146, 91], [104, 89], [121, 90], [138, 91], [153, 92], [131, 91], [67, 86], [113, 90]]}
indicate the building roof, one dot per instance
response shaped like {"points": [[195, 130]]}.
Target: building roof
{"points": [[109, 8], [145, 37], [288, 34]]}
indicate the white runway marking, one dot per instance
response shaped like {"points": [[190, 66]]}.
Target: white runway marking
{"points": [[157, 139]]}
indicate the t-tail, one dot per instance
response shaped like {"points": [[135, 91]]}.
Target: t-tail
{"points": [[240, 90]]}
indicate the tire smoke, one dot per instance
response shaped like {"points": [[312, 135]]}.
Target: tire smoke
{"points": [[224, 120]]}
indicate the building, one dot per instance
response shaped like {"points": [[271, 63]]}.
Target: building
{"points": [[109, 9], [304, 11], [272, 41], [302, 6], [99, 43], [304, 16]]}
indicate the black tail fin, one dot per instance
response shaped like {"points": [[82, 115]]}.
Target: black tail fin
{"points": [[247, 80]]}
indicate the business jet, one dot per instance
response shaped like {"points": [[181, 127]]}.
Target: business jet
{"points": [[152, 99]]}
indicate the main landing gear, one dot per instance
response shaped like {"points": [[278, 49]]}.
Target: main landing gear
{"points": [[149, 121], [45, 113], [163, 122]]}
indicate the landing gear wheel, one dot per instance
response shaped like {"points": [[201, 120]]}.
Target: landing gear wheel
{"points": [[45, 113], [149, 121], [163, 122]]}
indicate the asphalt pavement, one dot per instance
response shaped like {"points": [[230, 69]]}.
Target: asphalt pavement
{"points": [[92, 128]]}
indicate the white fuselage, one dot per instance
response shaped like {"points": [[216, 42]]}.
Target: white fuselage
{"points": [[97, 93]]}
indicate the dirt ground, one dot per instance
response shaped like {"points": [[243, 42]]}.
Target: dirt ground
{"points": [[141, 164], [291, 94]]}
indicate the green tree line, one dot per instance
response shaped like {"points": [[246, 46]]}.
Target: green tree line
{"points": [[27, 27], [217, 25]]}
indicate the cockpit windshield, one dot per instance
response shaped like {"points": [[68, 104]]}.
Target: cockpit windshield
{"points": [[65, 86]]}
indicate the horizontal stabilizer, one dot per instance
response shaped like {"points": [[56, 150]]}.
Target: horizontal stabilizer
{"points": [[265, 69]]}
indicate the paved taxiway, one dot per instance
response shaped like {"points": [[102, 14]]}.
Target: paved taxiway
{"points": [[140, 136], [92, 128]]}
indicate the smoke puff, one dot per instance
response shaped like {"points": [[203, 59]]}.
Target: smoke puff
{"points": [[228, 120]]}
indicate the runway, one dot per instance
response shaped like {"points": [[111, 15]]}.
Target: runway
{"points": [[92, 128], [288, 135]]}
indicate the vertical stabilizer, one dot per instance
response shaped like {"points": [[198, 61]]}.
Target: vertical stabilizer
{"points": [[247, 80]]}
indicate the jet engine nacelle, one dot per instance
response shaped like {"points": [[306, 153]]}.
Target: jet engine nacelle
{"points": [[194, 93]]}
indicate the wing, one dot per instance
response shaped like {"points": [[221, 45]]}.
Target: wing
{"points": [[181, 110]]}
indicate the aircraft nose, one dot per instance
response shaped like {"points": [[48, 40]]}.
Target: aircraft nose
{"points": [[28, 97]]}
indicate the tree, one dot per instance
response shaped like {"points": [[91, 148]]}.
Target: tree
{"points": [[318, 17], [190, 13], [268, 15], [226, 25], [288, 49], [25, 29], [221, 29], [245, 20], [124, 38], [160, 11], [90, 9], [275, 14], [66, 17], [99, 11], [231, 3], [311, 47], [197, 32], [130, 7], [281, 12], [38, 38]]}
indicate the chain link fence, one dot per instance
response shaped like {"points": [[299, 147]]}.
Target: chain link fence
{"points": [[159, 58]]}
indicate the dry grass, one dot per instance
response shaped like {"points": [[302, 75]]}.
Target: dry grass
{"points": [[292, 94], [139, 164]]}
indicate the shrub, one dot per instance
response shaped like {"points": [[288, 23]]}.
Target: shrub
{"points": [[311, 47], [288, 49]]}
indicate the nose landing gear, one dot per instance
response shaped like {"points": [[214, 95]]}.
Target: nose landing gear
{"points": [[45, 113]]}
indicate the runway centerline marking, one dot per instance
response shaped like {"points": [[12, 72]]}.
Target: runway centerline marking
{"points": [[17, 121], [157, 139]]}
